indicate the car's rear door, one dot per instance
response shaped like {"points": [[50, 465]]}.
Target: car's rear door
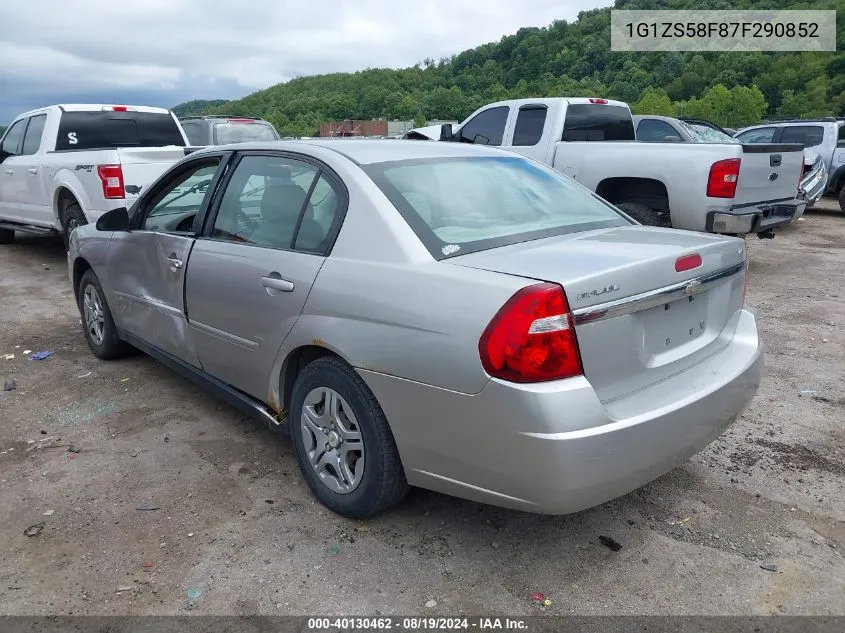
{"points": [[146, 266], [250, 274]]}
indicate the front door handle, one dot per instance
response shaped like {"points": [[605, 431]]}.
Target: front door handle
{"points": [[274, 283], [33, 171], [175, 262]]}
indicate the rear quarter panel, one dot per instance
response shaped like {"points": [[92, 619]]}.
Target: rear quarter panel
{"points": [[683, 168]]}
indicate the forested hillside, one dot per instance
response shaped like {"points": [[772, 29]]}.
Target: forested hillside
{"points": [[197, 106], [566, 59]]}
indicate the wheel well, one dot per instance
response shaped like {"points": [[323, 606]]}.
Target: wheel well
{"points": [[80, 265], [64, 197], [296, 361], [651, 193]]}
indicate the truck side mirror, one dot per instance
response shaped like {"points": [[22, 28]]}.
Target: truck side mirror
{"points": [[114, 220], [446, 132]]}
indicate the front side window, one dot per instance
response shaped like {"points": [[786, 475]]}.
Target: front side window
{"points": [[174, 208], [34, 132], [486, 128], [760, 135], [657, 131], [14, 138], [461, 205], [277, 202]]}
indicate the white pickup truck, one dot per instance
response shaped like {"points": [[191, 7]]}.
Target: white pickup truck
{"points": [[721, 188], [65, 165]]}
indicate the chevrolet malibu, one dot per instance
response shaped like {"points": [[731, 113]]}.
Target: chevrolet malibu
{"points": [[440, 315]]}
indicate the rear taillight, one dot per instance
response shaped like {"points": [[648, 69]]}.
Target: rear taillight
{"points": [[601, 101], [111, 177], [532, 338], [724, 175]]}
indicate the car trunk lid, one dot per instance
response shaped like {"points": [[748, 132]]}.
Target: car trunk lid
{"points": [[638, 319]]}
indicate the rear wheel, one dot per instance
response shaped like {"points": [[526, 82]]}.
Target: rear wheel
{"points": [[343, 442], [7, 236], [72, 217], [97, 323], [644, 215]]}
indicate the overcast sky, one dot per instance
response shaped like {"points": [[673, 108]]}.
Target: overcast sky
{"points": [[164, 52]]}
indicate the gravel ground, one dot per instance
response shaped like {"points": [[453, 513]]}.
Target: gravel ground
{"points": [[154, 498]]}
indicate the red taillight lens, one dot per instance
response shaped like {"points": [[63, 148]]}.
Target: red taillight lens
{"points": [[724, 175], [597, 100], [687, 262], [531, 339], [111, 177]]}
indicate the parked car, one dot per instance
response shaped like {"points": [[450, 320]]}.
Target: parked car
{"points": [[721, 188], [652, 128], [820, 136], [223, 130], [813, 181], [432, 314], [65, 165]]}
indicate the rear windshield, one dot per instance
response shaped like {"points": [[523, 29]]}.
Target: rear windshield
{"points": [[704, 134], [108, 130], [598, 122], [462, 205], [807, 135], [236, 132]]}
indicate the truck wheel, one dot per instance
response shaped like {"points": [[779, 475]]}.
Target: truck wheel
{"points": [[842, 199], [342, 441], [97, 323], [6, 236], [71, 218], [643, 214]]}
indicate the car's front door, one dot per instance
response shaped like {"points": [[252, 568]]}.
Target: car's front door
{"points": [[250, 274], [146, 265], [36, 203], [12, 175]]}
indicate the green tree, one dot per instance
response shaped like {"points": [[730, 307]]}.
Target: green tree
{"points": [[654, 101]]}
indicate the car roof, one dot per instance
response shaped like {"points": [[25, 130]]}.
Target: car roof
{"points": [[366, 152], [659, 117]]}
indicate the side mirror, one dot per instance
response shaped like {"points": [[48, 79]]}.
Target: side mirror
{"points": [[446, 132], [114, 220]]}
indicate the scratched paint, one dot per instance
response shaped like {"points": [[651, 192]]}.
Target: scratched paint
{"points": [[76, 414]]}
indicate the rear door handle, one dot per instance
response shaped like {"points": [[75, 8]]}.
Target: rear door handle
{"points": [[175, 262], [33, 171], [275, 282]]}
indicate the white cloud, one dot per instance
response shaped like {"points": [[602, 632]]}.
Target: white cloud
{"points": [[51, 46]]}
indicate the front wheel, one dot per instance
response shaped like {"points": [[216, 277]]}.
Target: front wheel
{"points": [[97, 323], [7, 236], [343, 442]]}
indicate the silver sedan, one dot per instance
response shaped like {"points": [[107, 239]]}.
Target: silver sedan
{"points": [[440, 315]]}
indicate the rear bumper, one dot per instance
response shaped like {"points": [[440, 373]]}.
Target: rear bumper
{"points": [[554, 448], [754, 219]]}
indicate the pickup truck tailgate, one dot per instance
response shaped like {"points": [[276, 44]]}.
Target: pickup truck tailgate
{"points": [[768, 173], [142, 165]]}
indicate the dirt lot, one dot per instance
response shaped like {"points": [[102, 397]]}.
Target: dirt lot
{"points": [[157, 499]]}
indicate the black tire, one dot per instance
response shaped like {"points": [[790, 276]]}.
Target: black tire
{"points": [[643, 214], [7, 236], [383, 482], [71, 217], [111, 346], [842, 199]]}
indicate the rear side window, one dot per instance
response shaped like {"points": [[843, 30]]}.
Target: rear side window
{"points": [[529, 125], [486, 128], [807, 135], [598, 122], [108, 130], [760, 135]]}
